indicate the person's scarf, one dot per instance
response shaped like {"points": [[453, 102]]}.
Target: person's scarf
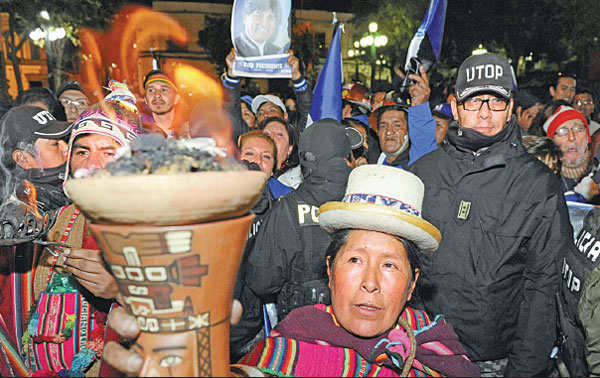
{"points": [[312, 333], [576, 173], [473, 140]]}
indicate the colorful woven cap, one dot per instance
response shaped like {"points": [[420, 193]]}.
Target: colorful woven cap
{"points": [[385, 199]]}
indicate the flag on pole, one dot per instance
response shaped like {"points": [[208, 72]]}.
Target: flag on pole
{"points": [[426, 45], [327, 96]]}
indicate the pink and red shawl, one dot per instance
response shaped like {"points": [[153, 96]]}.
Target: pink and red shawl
{"points": [[308, 342]]}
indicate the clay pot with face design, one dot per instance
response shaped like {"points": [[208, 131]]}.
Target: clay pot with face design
{"points": [[178, 283], [176, 280]]}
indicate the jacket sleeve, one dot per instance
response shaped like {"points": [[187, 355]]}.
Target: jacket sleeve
{"points": [[304, 97], [234, 107], [589, 315], [529, 353], [275, 246], [421, 131]]}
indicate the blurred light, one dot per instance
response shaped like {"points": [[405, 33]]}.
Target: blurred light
{"points": [[369, 40], [113, 65], [37, 34], [381, 40], [350, 53], [45, 15], [356, 44], [480, 50], [363, 42], [373, 27], [56, 33], [135, 45], [378, 62]]}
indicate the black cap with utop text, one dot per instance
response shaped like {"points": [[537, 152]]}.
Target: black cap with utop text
{"points": [[23, 122], [487, 73]]}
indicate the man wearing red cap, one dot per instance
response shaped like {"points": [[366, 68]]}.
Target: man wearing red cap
{"points": [[569, 129]]}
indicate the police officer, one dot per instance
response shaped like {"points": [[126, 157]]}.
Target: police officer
{"points": [[288, 258]]}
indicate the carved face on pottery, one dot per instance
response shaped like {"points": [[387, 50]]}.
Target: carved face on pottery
{"points": [[177, 281]]}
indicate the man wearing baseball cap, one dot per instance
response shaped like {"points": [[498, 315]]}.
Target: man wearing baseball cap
{"points": [[504, 225], [267, 106], [34, 149]]}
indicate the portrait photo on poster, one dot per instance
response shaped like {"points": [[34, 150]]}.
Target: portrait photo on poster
{"points": [[260, 31]]}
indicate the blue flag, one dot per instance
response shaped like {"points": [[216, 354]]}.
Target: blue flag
{"points": [[426, 45], [327, 96], [433, 25]]}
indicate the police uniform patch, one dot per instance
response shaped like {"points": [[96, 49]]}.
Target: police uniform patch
{"points": [[463, 210]]}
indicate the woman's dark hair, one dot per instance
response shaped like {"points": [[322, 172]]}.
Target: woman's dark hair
{"points": [[45, 96], [525, 99], [293, 160], [340, 237], [537, 125]]}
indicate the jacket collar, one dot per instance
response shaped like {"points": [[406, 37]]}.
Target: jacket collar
{"points": [[508, 146]]}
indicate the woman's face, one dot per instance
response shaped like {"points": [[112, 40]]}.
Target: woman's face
{"points": [[259, 151], [279, 134], [248, 116], [370, 282]]}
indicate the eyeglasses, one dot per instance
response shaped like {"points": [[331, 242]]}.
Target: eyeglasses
{"points": [[584, 102], [77, 104], [475, 104], [564, 131]]}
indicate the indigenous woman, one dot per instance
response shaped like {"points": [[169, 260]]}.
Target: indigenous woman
{"points": [[373, 266]]}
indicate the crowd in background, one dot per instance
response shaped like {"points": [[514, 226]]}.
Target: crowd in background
{"points": [[498, 163]]}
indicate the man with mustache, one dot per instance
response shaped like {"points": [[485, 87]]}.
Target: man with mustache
{"points": [[161, 97], [406, 129], [569, 129]]}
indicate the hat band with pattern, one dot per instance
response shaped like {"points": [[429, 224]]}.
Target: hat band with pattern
{"points": [[381, 200]]}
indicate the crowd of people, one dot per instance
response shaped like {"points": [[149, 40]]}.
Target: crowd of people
{"points": [[408, 237]]}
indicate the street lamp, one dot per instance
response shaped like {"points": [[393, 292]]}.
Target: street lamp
{"points": [[355, 53], [374, 40], [49, 34], [480, 50]]}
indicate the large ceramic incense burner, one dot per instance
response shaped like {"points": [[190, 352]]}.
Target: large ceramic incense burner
{"points": [[174, 243]]}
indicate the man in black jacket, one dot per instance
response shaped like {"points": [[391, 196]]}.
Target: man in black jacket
{"points": [[504, 225], [288, 258]]}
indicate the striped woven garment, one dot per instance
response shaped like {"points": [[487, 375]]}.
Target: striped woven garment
{"points": [[309, 342]]}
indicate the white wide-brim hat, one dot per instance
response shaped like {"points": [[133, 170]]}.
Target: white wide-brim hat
{"points": [[385, 199]]}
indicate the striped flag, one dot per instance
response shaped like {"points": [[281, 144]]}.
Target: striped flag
{"points": [[426, 45]]}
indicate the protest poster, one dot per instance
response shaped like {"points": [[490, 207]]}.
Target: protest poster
{"points": [[260, 31]]}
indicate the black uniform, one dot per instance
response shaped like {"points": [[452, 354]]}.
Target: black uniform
{"points": [[288, 258], [505, 229], [578, 264]]}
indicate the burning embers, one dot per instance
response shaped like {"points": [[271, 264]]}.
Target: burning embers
{"points": [[153, 154], [22, 221]]}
